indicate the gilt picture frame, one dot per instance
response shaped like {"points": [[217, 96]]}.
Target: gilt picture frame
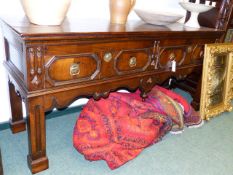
{"points": [[217, 80]]}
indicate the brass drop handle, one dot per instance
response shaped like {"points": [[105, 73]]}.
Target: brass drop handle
{"points": [[132, 62], [75, 69], [172, 56], [107, 56]]}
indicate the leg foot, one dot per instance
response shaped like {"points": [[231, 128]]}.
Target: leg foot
{"points": [[38, 164], [17, 126]]}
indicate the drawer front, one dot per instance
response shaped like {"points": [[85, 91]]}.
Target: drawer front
{"points": [[85, 62], [182, 55], [72, 68], [80, 63], [168, 54], [131, 61]]}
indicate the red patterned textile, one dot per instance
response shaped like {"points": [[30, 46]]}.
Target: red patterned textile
{"points": [[191, 117], [118, 128]]}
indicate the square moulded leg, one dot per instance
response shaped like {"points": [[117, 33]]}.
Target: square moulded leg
{"points": [[37, 159], [17, 122]]}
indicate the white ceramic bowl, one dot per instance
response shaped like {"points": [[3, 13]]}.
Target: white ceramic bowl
{"points": [[46, 12], [193, 7], [157, 17]]}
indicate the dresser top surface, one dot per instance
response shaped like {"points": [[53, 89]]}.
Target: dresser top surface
{"points": [[97, 28]]}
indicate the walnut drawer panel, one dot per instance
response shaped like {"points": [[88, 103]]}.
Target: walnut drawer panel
{"points": [[183, 55], [131, 61], [168, 54], [81, 67], [72, 68]]}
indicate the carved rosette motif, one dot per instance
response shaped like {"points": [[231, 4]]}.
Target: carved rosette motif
{"points": [[210, 81], [35, 58]]}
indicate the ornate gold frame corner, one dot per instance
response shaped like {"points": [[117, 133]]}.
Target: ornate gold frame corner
{"points": [[217, 80]]}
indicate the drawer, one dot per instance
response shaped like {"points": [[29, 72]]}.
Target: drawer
{"points": [[72, 68], [85, 62], [171, 53], [76, 63], [183, 55], [101, 61], [131, 61]]}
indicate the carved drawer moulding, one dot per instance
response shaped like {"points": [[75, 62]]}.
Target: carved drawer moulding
{"points": [[66, 69], [132, 61], [217, 81], [181, 54], [177, 53]]}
